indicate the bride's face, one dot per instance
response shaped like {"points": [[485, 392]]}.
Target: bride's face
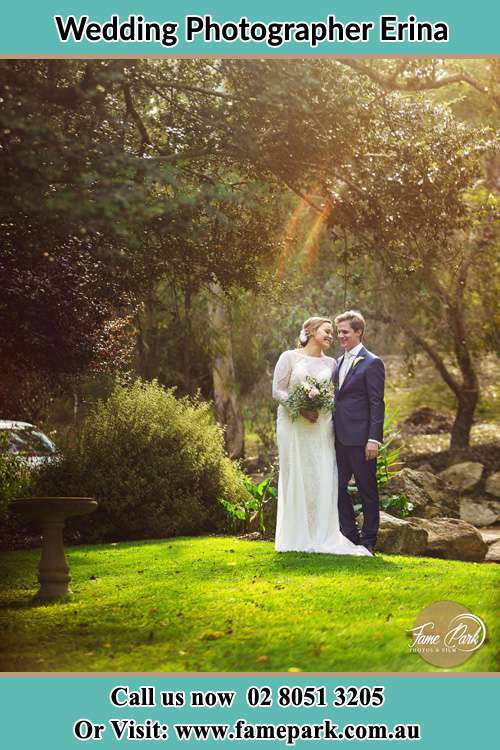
{"points": [[324, 335]]}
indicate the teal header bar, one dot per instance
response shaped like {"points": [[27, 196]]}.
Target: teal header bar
{"points": [[219, 27], [61, 713]]}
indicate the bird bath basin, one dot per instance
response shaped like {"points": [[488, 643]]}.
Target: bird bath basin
{"points": [[52, 512]]}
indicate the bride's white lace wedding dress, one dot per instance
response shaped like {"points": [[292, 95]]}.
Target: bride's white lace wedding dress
{"points": [[308, 486]]}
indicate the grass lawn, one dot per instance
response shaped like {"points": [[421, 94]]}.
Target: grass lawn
{"points": [[223, 604]]}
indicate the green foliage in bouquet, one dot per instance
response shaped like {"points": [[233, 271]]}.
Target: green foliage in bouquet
{"points": [[155, 463], [311, 394]]}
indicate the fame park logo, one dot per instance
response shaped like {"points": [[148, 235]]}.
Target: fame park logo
{"points": [[445, 634]]}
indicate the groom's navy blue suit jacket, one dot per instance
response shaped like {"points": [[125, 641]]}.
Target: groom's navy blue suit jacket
{"points": [[359, 411]]}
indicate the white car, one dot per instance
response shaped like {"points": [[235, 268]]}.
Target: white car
{"points": [[28, 442]]}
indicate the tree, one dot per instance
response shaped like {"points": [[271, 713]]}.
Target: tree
{"points": [[54, 311], [418, 75], [118, 170], [226, 400], [58, 221], [393, 177], [168, 172]]}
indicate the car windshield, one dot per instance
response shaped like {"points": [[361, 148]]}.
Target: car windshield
{"points": [[28, 440]]}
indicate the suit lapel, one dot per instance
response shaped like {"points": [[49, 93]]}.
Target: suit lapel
{"points": [[337, 370], [362, 353]]}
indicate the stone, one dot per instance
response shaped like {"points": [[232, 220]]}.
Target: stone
{"points": [[493, 485], [52, 512], [431, 497], [493, 553], [479, 511], [452, 539], [492, 535], [426, 467], [463, 477], [400, 536]]}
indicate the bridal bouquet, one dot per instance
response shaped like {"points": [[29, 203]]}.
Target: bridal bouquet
{"points": [[310, 394]]}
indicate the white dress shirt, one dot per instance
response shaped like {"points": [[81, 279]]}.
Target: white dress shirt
{"points": [[349, 357]]}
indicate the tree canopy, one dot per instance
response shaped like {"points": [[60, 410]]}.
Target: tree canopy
{"points": [[131, 188]]}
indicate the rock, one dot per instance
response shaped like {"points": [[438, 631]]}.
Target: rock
{"points": [[479, 511], [399, 536], [463, 477], [430, 496], [426, 467], [492, 535], [493, 485], [493, 553], [452, 539]]}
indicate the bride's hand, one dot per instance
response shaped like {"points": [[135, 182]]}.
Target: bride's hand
{"points": [[310, 414]]}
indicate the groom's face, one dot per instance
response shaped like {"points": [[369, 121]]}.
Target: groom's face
{"points": [[347, 336]]}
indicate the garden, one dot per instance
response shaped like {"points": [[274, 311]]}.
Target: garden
{"points": [[173, 224]]}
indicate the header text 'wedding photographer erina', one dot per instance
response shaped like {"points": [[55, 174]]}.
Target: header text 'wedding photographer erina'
{"points": [[274, 34]]}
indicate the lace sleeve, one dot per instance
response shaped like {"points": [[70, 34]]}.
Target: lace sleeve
{"points": [[281, 377]]}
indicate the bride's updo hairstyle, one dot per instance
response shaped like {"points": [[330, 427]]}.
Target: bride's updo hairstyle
{"points": [[308, 328]]}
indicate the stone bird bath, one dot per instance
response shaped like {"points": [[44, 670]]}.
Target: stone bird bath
{"points": [[52, 512]]}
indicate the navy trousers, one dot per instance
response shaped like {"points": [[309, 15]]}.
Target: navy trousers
{"points": [[351, 460]]}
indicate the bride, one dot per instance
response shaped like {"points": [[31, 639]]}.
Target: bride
{"points": [[308, 518]]}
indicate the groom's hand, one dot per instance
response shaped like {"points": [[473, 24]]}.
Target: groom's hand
{"points": [[371, 451], [309, 414]]}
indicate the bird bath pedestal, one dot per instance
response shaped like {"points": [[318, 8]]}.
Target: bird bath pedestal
{"points": [[52, 512]]}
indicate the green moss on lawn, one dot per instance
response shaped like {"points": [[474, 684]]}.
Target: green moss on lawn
{"points": [[222, 604]]}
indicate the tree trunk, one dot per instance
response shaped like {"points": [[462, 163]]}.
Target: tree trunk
{"points": [[187, 342], [452, 297], [468, 395], [465, 389], [227, 407], [76, 406], [146, 346], [464, 419]]}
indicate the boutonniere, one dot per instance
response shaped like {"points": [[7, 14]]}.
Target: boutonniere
{"points": [[357, 361]]}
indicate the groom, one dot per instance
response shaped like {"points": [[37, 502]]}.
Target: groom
{"points": [[359, 424]]}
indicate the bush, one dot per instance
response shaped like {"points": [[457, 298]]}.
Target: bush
{"points": [[155, 463], [14, 477], [396, 505], [253, 509]]}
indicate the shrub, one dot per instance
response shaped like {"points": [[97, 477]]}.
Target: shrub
{"points": [[14, 476], [397, 505], [244, 512], [155, 463]]}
